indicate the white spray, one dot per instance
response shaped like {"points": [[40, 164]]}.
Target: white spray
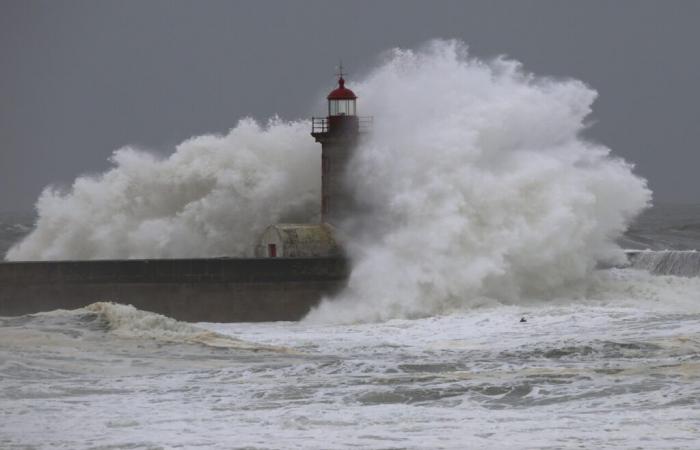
{"points": [[481, 188], [480, 185], [213, 196]]}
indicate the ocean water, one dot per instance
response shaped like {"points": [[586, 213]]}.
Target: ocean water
{"points": [[484, 203], [618, 367]]}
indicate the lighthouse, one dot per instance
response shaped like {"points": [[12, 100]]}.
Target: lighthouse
{"points": [[338, 134]]}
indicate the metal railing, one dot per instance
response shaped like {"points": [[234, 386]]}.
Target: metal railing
{"points": [[320, 124]]}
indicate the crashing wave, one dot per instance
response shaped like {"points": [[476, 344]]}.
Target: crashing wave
{"points": [[484, 189], [685, 263], [129, 322]]}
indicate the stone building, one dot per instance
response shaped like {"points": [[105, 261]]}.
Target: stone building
{"points": [[298, 241]]}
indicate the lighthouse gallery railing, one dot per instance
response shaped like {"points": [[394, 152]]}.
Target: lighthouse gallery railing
{"points": [[320, 124]]}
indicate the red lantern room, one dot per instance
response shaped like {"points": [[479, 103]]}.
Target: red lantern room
{"points": [[342, 101]]}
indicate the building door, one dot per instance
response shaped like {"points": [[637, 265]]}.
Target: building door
{"points": [[271, 250]]}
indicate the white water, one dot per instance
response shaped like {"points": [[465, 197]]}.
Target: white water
{"points": [[668, 262], [620, 370], [211, 197], [481, 189], [487, 206], [125, 321], [479, 185]]}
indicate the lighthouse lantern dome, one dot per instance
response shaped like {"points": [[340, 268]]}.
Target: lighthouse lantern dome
{"points": [[342, 101]]}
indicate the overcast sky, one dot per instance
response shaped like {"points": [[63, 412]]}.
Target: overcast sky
{"points": [[79, 79]]}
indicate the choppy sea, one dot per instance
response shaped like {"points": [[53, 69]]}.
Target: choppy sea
{"points": [[618, 369]]}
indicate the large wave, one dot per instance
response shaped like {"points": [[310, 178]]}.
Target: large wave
{"points": [[480, 186], [477, 179], [211, 197]]}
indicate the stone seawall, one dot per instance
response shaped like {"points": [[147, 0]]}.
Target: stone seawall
{"points": [[208, 289]]}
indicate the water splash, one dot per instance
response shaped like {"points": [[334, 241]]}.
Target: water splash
{"points": [[685, 263], [480, 186], [211, 197]]}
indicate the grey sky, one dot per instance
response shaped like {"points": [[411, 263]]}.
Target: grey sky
{"points": [[79, 79]]}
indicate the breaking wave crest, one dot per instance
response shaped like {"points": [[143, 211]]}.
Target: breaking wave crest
{"points": [[127, 321], [684, 263]]}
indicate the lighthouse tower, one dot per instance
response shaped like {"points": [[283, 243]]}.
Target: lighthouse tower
{"points": [[338, 134]]}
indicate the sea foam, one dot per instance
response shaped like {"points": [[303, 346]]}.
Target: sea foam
{"points": [[128, 322]]}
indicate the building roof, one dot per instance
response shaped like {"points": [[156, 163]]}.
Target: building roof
{"points": [[299, 240]]}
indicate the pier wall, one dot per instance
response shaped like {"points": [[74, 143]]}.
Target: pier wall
{"points": [[195, 290]]}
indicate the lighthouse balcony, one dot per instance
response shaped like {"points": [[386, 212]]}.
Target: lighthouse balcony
{"points": [[359, 124]]}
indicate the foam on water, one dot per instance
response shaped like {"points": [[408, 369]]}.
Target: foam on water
{"points": [[616, 372], [128, 322]]}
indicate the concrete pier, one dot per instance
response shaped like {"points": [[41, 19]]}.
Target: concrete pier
{"points": [[195, 290]]}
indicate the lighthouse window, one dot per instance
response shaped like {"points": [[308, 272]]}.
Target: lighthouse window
{"points": [[341, 107]]}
